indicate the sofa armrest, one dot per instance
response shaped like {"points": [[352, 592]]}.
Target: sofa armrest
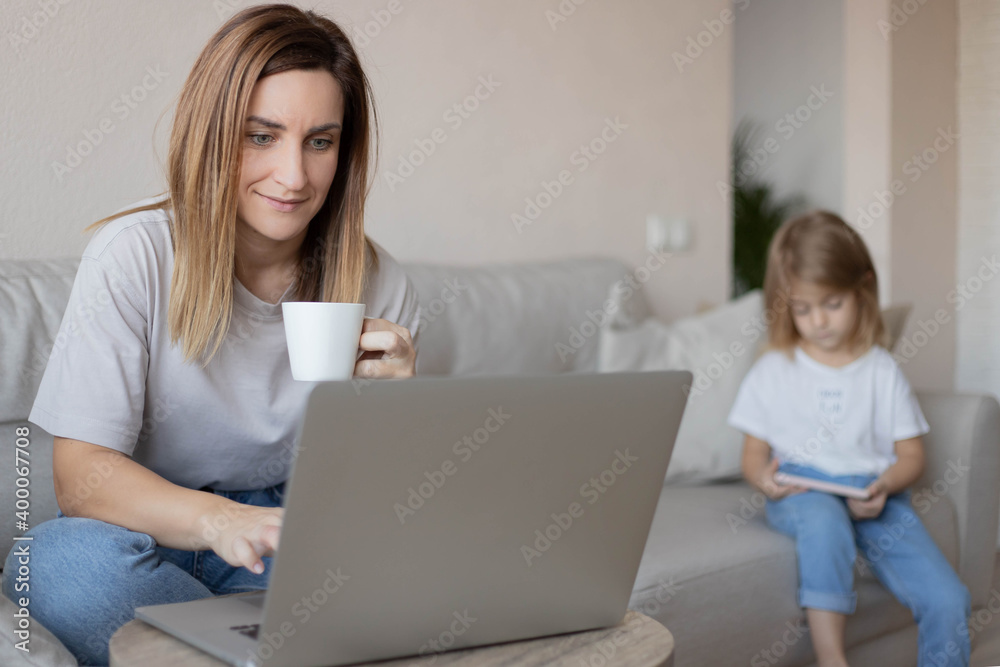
{"points": [[963, 464]]}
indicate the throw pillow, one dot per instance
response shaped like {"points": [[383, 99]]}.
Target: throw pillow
{"points": [[718, 347]]}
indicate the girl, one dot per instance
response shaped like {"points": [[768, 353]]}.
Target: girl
{"points": [[170, 395], [829, 402]]}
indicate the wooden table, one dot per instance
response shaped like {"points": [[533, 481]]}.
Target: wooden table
{"points": [[637, 641]]}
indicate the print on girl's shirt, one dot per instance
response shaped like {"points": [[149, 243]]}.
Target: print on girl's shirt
{"points": [[831, 404]]}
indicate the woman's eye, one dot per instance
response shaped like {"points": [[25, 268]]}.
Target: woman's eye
{"points": [[254, 139], [833, 305], [321, 144], [800, 311]]}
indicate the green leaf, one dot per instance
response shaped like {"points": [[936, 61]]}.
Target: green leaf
{"points": [[757, 214]]}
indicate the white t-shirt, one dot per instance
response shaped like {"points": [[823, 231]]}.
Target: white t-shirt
{"points": [[114, 379], [843, 421]]}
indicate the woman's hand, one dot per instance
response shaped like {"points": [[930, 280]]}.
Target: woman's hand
{"points": [[772, 489], [878, 491], [243, 534], [388, 351]]}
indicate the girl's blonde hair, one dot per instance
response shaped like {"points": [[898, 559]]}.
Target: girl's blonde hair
{"points": [[819, 247], [203, 171]]}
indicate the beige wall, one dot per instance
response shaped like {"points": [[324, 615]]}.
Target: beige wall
{"points": [[901, 182], [925, 169], [868, 128], [783, 51], [978, 314], [557, 88]]}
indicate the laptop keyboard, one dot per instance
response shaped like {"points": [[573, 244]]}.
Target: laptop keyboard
{"points": [[248, 630]]}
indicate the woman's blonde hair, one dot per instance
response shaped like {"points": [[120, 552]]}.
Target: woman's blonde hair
{"points": [[819, 247], [203, 171]]}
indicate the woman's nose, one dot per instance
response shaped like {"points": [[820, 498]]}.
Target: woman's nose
{"points": [[290, 170]]}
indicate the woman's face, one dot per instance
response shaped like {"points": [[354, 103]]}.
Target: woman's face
{"points": [[291, 137]]}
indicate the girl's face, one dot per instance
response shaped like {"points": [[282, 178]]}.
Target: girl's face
{"points": [[290, 141], [824, 317]]}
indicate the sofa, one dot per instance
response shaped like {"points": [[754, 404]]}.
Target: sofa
{"points": [[712, 571]]}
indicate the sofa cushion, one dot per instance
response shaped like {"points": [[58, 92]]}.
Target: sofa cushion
{"points": [[503, 319], [711, 562], [33, 297], [718, 347]]}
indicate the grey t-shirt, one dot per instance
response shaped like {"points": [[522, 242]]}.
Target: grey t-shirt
{"points": [[114, 379]]}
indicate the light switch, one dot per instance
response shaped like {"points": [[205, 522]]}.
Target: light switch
{"points": [[657, 233], [664, 235], [680, 235]]}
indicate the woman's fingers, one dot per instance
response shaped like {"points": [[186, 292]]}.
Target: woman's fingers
{"points": [[269, 537], [264, 537], [246, 556], [383, 335], [391, 343], [250, 534], [387, 350]]}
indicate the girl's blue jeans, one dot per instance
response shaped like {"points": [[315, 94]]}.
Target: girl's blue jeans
{"points": [[895, 545], [88, 576]]}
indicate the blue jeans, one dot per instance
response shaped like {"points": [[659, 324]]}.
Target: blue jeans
{"points": [[88, 576], [895, 545]]}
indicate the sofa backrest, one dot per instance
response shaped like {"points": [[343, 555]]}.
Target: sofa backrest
{"points": [[500, 319], [507, 319], [33, 296]]}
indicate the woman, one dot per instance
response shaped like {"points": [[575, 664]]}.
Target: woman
{"points": [[169, 391]]}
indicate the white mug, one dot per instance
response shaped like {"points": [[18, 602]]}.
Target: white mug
{"points": [[323, 338]]}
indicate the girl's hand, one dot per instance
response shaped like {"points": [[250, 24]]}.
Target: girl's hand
{"points": [[871, 508], [772, 489], [389, 351]]}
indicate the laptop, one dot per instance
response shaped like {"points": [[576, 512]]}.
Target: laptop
{"points": [[438, 513]]}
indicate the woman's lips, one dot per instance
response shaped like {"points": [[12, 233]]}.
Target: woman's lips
{"points": [[284, 207]]}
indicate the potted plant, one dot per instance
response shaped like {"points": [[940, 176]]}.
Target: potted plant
{"points": [[757, 212]]}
